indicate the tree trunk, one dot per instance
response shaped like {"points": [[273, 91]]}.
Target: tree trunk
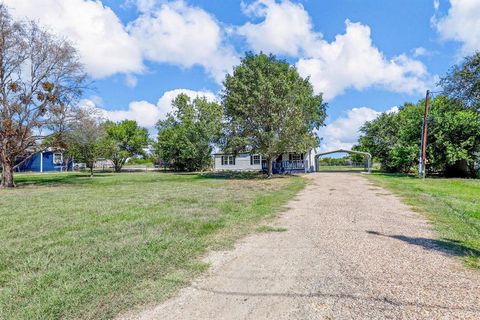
{"points": [[91, 171], [117, 165], [7, 175], [270, 167]]}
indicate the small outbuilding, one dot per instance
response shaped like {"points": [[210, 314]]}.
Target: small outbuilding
{"points": [[49, 160]]}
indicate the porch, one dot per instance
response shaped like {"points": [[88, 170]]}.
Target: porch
{"points": [[289, 166]]}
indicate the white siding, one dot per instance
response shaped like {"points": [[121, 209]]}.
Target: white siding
{"points": [[242, 163]]}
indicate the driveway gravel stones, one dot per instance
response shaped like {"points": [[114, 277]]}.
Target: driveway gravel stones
{"points": [[351, 251]]}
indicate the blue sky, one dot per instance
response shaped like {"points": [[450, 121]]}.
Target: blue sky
{"points": [[365, 56]]}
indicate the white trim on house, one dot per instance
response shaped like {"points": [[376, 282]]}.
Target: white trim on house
{"points": [[253, 162], [57, 158], [242, 162]]}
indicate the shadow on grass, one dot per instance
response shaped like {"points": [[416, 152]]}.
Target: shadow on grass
{"points": [[239, 175], [342, 171], [56, 179], [231, 175], [394, 175], [447, 246]]}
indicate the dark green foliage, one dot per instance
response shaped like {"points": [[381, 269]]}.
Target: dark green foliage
{"points": [[453, 137], [329, 161], [453, 140], [270, 109], [463, 81], [124, 140], [186, 136]]}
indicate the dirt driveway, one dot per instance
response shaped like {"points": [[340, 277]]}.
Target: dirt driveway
{"points": [[351, 251]]}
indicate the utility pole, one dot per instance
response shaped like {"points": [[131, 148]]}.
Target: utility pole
{"points": [[423, 146]]}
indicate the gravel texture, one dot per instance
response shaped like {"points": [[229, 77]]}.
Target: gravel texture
{"points": [[351, 251]]}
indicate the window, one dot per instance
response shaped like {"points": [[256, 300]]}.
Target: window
{"points": [[228, 160], [255, 159], [57, 158], [295, 156]]}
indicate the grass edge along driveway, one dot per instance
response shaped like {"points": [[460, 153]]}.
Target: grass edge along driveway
{"points": [[81, 248], [451, 205]]}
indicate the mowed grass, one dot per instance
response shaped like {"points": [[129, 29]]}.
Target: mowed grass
{"points": [[340, 168], [453, 206], [79, 248]]}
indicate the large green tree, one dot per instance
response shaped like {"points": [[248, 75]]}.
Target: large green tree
{"points": [[124, 140], [463, 81], [453, 139], [270, 109], [187, 136]]}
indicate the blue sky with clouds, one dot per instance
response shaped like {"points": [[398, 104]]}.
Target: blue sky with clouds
{"points": [[365, 56]]}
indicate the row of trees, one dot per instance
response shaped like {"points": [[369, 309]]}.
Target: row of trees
{"points": [[453, 137], [41, 80], [89, 138], [266, 108]]}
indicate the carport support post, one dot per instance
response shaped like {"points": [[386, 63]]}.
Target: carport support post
{"points": [[369, 164], [41, 162]]}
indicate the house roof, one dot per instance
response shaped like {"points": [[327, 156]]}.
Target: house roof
{"points": [[229, 154]]}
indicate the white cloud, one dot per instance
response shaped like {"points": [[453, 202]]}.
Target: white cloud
{"points": [[420, 51], [147, 114], [165, 32], [103, 43], [436, 4], [343, 132], [394, 109], [350, 61], [185, 36], [286, 28], [462, 23]]}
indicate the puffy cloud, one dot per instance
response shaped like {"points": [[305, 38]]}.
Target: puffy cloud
{"points": [[462, 23], [343, 132], [147, 114], [286, 28], [168, 32], [185, 36], [350, 61], [103, 43]]}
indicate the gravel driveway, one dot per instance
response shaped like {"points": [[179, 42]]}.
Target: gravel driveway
{"points": [[351, 251]]}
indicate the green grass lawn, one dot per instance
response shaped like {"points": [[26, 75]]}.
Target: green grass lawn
{"points": [[79, 248], [339, 168], [453, 205]]}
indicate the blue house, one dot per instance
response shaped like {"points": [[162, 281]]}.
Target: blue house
{"points": [[45, 161]]}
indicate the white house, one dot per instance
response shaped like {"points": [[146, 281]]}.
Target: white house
{"points": [[287, 162]]}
